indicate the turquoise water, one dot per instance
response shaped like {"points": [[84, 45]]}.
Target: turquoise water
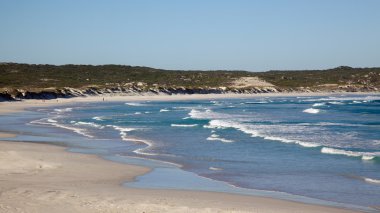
{"points": [[327, 148]]}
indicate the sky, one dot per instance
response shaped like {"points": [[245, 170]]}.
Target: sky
{"points": [[248, 35]]}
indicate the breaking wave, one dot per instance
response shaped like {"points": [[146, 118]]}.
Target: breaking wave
{"points": [[51, 120], [222, 124], [135, 104], [256, 102], [215, 137], [90, 124], [63, 110], [338, 99], [335, 103], [184, 125], [362, 155], [312, 111], [207, 114], [98, 118], [318, 104], [329, 124], [371, 180], [215, 168]]}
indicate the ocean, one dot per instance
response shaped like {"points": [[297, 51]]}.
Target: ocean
{"points": [[320, 147]]}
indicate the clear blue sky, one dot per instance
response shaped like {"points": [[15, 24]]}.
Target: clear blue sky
{"points": [[193, 34]]}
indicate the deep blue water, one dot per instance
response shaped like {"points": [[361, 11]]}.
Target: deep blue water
{"points": [[319, 147]]}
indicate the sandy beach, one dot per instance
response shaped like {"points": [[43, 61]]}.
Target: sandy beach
{"points": [[46, 178], [10, 107]]}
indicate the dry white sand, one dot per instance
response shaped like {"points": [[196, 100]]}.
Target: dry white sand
{"points": [[46, 178], [250, 82]]}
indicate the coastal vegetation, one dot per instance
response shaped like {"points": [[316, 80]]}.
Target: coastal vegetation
{"points": [[17, 79]]}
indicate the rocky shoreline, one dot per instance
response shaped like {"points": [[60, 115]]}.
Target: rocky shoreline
{"points": [[68, 92]]}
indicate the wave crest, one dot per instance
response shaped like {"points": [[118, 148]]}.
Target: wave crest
{"points": [[215, 137], [91, 124], [184, 125], [371, 180], [362, 155], [135, 104], [64, 110], [312, 111]]}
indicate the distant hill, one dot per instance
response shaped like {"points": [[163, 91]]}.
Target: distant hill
{"points": [[42, 76], [20, 78], [340, 76]]}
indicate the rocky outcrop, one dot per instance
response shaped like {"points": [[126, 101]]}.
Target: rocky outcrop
{"points": [[6, 97], [132, 90]]}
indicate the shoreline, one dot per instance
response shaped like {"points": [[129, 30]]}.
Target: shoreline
{"points": [[189, 200], [7, 107]]}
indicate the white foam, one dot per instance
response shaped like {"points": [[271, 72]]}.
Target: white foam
{"points": [[135, 104], [215, 137], [311, 111], [63, 110], [363, 155], [318, 104], [367, 98], [123, 131], [76, 130], [196, 114], [185, 118], [91, 124], [215, 168], [216, 103], [368, 157], [164, 110], [222, 124], [142, 151], [98, 118], [183, 107], [328, 124], [256, 102], [284, 140], [45, 121], [336, 103], [184, 125], [137, 113], [207, 114], [371, 180], [51, 120]]}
